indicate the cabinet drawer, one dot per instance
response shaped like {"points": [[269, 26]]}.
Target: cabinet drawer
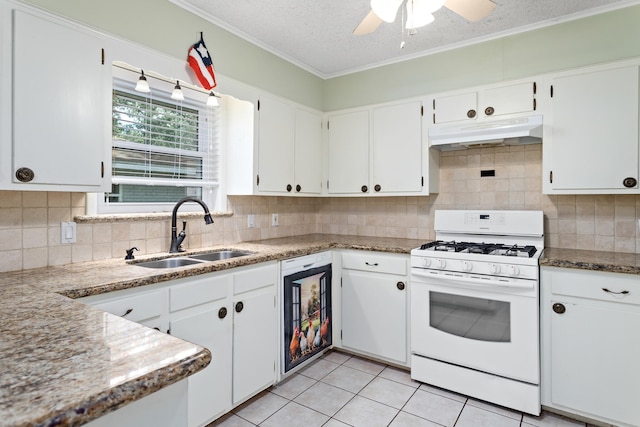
{"points": [[597, 285], [198, 291], [255, 278], [136, 308], [377, 262]]}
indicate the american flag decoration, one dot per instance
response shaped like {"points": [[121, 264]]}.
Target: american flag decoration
{"points": [[200, 61]]}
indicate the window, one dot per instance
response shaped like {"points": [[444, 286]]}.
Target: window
{"points": [[162, 149]]}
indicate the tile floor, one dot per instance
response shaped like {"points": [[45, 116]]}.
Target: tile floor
{"points": [[343, 390]]}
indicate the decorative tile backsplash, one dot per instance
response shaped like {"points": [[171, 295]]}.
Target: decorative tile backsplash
{"points": [[30, 221]]}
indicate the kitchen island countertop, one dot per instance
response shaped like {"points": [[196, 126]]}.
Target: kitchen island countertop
{"points": [[65, 363]]}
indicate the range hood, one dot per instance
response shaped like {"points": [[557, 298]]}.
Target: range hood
{"points": [[522, 130]]}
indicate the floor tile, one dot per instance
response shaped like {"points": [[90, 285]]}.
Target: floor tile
{"points": [[259, 409], [293, 386], [434, 407], [231, 420], [547, 419], [368, 366], [319, 369], [472, 416], [366, 413], [295, 415], [325, 398], [404, 419], [501, 410], [335, 423], [399, 375], [444, 393], [336, 357], [348, 379], [388, 392]]}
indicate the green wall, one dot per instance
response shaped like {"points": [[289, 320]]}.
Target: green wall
{"points": [[163, 26], [607, 37]]}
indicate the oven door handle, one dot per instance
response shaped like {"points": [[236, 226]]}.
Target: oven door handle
{"points": [[465, 281]]}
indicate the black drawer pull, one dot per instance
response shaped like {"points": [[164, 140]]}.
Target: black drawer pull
{"points": [[614, 292], [129, 310], [375, 264]]}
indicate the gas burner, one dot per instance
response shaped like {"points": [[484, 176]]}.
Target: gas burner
{"points": [[479, 248]]}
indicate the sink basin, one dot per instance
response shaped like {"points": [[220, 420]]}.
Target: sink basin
{"points": [[168, 263], [219, 255]]}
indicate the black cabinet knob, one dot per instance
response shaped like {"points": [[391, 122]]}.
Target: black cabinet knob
{"points": [[400, 286], [629, 182], [298, 188], [289, 187], [222, 313], [559, 308], [489, 111], [471, 114], [239, 306], [25, 175], [377, 187], [364, 188]]}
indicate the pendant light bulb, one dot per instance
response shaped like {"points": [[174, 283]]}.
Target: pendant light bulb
{"points": [[143, 84], [212, 100], [177, 92]]}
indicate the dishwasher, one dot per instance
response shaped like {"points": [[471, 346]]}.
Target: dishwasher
{"points": [[305, 297]]}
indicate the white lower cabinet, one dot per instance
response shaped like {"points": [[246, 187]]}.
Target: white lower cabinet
{"points": [[591, 343], [232, 313], [375, 305], [255, 330]]}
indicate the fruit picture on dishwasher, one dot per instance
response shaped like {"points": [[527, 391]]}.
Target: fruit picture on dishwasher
{"points": [[306, 315]]}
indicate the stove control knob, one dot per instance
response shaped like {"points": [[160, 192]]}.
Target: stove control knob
{"points": [[467, 266], [441, 263], [514, 270], [494, 268], [426, 262]]}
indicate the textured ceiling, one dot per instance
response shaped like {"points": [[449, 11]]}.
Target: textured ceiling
{"points": [[317, 34]]}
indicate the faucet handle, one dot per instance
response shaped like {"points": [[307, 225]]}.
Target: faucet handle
{"points": [[130, 253], [184, 225]]}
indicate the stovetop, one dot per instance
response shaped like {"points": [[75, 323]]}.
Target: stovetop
{"points": [[500, 249]]}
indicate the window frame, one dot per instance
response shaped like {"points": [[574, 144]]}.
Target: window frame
{"points": [[195, 98]]}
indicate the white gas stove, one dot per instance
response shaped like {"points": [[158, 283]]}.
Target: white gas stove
{"points": [[474, 306]]}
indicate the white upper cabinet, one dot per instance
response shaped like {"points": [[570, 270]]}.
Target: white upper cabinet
{"points": [[379, 151], [276, 135], [591, 132], [55, 103], [485, 103], [286, 155], [397, 148], [308, 152], [348, 168]]}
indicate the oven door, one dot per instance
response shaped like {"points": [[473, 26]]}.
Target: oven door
{"points": [[487, 328]]}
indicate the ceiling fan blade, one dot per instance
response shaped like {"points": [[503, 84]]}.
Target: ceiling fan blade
{"points": [[471, 10], [369, 24]]}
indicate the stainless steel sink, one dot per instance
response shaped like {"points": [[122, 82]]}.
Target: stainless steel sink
{"points": [[219, 255], [168, 263], [193, 259]]}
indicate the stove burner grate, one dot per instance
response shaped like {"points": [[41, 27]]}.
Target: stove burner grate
{"points": [[480, 248]]}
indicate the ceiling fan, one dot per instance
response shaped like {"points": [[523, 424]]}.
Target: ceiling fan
{"points": [[420, 12]]}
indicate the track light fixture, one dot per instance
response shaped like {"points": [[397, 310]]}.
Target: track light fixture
{"points": [[212, 100], [143, 84], [177, 92]]}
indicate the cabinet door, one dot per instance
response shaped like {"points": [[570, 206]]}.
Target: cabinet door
{"points": [[455, 108], [61, 92], [594, 359], [209, 389], [255, 342], [374, 314], [349, 153], [308, 152], [275, 151], [594, 131], [397, 148], [510, 99]]}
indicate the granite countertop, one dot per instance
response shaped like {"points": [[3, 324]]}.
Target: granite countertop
{"points": [[65, 363], [614, 262]]}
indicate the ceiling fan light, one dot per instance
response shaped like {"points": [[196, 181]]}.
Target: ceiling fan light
{"points": [[386, 9]]}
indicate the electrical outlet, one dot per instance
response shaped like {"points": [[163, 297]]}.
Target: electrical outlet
{"points": [[67, 232], [251, 220], [274, 220]]}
